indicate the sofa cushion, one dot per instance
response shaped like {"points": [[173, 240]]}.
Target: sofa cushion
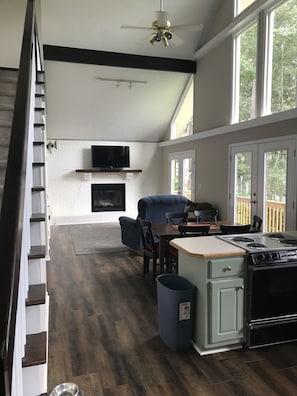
{"points": [[154, 207]]}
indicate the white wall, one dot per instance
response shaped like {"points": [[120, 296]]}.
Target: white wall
{"points": [[69, 194], [12, 18]]}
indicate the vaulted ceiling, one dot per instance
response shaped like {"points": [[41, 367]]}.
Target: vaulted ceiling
{"points": [[140, 113]]}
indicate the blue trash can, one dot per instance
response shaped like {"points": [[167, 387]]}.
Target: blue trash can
{"points": [[175, 296]]}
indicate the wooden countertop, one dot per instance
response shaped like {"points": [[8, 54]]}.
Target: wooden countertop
{"points": [[206, 247]]}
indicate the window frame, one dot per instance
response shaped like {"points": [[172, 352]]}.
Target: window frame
{"points": [[236, 71], [260, 12], [268, 61]]}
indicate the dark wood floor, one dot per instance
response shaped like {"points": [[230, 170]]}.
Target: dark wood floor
{"points": [[104, 336]]}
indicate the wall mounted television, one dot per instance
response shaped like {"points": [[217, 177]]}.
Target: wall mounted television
{"points": [[110, 157]]}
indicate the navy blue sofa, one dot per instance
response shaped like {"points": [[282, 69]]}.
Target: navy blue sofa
{"points": [[151, 208]]}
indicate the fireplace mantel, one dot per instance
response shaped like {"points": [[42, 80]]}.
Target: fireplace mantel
{"points": [[95, 170], [88, 172]]}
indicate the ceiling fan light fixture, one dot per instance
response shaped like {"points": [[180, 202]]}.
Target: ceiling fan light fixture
{"points": [[153, 40], [163, 31], [165, 41], [168, 35]]}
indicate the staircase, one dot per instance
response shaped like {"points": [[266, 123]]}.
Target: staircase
{"points": [[30, 356]]}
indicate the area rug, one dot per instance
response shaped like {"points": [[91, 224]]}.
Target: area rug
{"points": [[97, 238]]}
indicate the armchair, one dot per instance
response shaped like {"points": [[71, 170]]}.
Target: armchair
{"points": [[152, 208]]}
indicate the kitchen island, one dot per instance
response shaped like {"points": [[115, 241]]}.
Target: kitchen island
{"points": [[217, 269]]}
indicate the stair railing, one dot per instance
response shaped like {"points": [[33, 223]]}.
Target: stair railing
{"points": [[15, 218]]}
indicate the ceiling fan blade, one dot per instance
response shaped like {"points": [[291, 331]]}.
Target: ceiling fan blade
{"points": [[176, 40], [136, 27], [192, 28]]}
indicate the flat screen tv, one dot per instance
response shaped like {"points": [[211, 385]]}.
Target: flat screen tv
{"points": [[112, 157]]}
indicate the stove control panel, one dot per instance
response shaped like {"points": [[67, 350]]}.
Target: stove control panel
{"points": [[274, 257]]}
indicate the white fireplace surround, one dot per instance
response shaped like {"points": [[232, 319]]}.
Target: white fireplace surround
{"points": [[69, 193]]}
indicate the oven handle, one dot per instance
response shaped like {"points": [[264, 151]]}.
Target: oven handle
{"points": [[263, 323], [272, 266]]}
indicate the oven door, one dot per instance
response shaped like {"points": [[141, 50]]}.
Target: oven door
{"points": [[271, 304]]}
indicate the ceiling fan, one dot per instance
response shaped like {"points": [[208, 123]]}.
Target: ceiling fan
{"points": [[163, 31]]}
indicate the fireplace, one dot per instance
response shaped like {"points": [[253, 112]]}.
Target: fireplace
{"points": [[108, 197]]}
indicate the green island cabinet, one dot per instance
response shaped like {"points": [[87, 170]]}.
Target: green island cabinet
{"points": [[217, 269]]}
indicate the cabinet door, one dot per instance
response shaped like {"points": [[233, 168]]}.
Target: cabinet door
{"points": [[226, 309]]}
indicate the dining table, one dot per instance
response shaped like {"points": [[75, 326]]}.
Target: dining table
{"points": [[165, 232]]}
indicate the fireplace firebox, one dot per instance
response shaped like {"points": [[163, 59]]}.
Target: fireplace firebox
{"points": [[108, 197]]}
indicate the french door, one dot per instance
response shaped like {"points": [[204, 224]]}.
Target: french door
{"points": [[262, 182], [182, 173]]}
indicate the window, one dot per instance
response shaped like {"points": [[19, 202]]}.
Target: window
{"points": [[244, 105], [265, 77], [261, 175], [241, 5], [281, 71], [182, 173], [182, 122]]}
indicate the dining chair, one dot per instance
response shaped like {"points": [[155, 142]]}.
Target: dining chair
{"points": [[185, 231], [257, 223], [235, 229], [206, 215], [150, 246], [177, 218], [193, 230]]}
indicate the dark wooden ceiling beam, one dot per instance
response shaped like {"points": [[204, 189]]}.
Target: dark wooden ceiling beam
{"points": [[92, 57]]}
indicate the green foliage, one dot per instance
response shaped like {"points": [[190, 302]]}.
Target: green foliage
{"points": [[248, 59], [276, 175], [284, 69], [284, 62], [243, 167]]}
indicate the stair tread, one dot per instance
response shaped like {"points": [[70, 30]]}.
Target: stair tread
{"points": [[35, 350], [36, 295], [35, 217], [38, 188], [37, 252]]}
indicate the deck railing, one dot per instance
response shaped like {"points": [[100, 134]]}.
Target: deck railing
{"points": [[275, 214]]}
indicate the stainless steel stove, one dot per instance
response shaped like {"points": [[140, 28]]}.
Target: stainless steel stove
{"points": [[261, 242]]}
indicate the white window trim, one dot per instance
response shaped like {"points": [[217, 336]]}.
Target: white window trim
{"points": [[182, 155], [236, 69], [267, 64], [243, 146], [270, 119]]}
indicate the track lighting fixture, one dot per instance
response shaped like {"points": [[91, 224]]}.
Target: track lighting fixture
{"points": [[119, 81]]}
